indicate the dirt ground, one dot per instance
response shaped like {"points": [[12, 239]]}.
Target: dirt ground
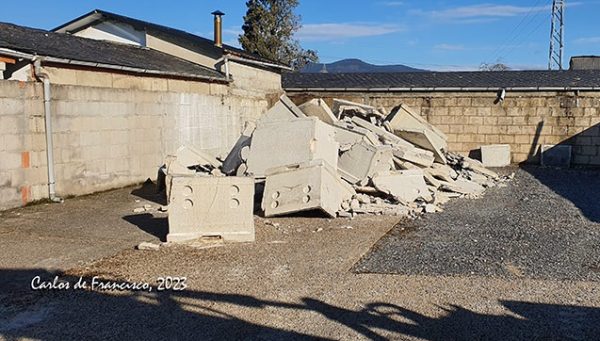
{"points": [[295, 282]]}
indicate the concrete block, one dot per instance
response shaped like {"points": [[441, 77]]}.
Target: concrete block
{"points": [[284, 109], [405, 186], [235, 157], [303, 187], [556, 155], [211, 206], [407, 124], [319, 109], [495, 155], [294, 141], [340, 105], [362, 161]]}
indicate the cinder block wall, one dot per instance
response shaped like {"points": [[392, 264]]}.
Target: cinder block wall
{"points": [[110, 130], [525, 120]]}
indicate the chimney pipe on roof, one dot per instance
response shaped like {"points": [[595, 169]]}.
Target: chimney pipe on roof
{"points": [[218, 28]]}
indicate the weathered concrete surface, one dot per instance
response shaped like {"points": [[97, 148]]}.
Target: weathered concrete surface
{"points": [[281, 143], [495, 155], [201, 206], [304, 187]]}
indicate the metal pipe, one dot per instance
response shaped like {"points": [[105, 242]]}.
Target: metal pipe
{"points": [[37, 68]]}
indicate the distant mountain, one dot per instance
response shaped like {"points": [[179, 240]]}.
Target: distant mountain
{"points": [[354, 66]]}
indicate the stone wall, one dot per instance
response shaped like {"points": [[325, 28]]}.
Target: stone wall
{"points": [[110, 130], [525, 120]]}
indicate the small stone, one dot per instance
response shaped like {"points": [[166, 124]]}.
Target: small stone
{"points": [[345, 205], [137, 200], [319, 229], [139, 210], [147, 207], [163, 209], [347, 227], [148, 246], [431, 208], [354, 204]]}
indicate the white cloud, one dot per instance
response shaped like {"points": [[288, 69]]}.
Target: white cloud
{"points": [[392, 3], [587, 40], [449, 47], [483, 11], [339, 31]]}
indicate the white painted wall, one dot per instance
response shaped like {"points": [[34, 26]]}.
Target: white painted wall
{"points": [[116, 32]]}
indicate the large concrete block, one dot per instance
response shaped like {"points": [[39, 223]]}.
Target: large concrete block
{"points": [[495, 155], [211, 206], [303, 187], [363, 160], [406, 186], [294, 141], [319, 109], [284, 109], [556, 155]]}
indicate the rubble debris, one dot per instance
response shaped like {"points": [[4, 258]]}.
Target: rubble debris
{"points": [[302, 187], [146, 246], [139, 210], [294, 141], [347, 161], [203, 206], [495, 155]]}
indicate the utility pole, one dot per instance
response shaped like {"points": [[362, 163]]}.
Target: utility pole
{"points": [[557, 30]]}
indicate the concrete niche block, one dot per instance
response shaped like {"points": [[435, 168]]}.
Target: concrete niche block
{"points": [[556, 155], [363, 160], [309, 186], [290, 142], [211, 206], [495, 155]]}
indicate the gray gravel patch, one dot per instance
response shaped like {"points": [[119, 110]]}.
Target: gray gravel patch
{"points": [[544, 225]]}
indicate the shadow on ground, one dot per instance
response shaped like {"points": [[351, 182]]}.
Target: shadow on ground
{"points": [[580, 186], [156, 226], [188, 314]]}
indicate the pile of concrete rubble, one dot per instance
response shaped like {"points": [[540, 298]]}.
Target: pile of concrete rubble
{"points": [[346, 160]]}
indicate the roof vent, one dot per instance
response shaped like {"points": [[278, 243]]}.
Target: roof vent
{"points": [[218, 27]]}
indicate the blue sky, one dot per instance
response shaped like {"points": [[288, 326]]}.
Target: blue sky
{"points": [[436, 35]]}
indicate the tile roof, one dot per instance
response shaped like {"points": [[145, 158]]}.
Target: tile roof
{"points": [[184, 39], [443, 80], [66, 46]]}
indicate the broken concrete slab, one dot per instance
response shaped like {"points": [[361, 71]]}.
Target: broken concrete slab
{"points": [[417, 156], [289, 142], [425, 139], [404, 117], [235, 158], [211, 206], [340, 106], [302, 187], [462, 186], [556, 155], [346, 138], [405, 186], [319, 109], [442, 172], [385, 135], [284, 109], [189, 156], [495, 155], [363, 160]]}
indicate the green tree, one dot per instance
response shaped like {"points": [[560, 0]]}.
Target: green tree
{"points": [[269, 27]]}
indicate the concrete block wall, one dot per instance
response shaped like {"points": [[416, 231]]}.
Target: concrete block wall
{"points": [[110, 130], [525, 120]]}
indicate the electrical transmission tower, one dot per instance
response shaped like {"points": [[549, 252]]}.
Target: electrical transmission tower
{"points": [[557, 30]]}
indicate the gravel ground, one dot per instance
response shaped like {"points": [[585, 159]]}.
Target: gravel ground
{"points": [[295, 282], [528, 229]]}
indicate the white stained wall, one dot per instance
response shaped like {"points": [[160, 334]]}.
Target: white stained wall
{"points": [[115, 32]]}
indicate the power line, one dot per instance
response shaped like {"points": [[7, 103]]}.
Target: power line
{"points": [[557, 29]]}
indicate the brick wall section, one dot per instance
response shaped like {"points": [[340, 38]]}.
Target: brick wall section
{"points": [[524, 120], [112, 135]]}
